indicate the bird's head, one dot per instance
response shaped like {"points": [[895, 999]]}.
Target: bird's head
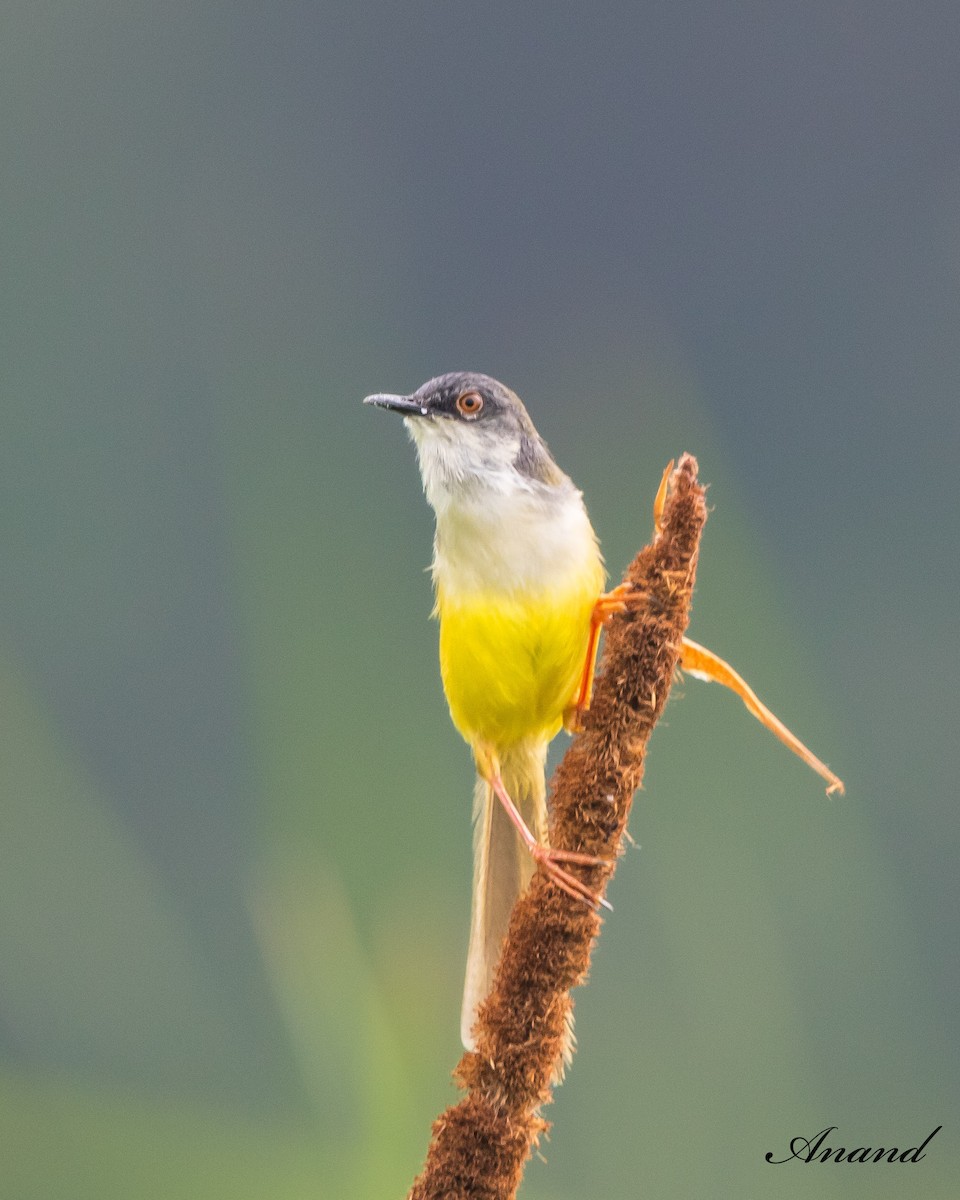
{"points": [[472, 432]]}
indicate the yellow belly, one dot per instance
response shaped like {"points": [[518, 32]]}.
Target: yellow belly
{"points": [[511, 664]]}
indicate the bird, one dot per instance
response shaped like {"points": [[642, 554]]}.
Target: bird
{"points": [[518, 580]]}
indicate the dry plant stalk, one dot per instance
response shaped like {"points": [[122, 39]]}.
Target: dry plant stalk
{"points": [[481, 1144]]}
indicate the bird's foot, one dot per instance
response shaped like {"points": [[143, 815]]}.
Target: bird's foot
{"points": [[550, 861], [617, 600]]}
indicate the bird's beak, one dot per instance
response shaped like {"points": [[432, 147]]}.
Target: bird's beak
{"points": [[401, 404]]}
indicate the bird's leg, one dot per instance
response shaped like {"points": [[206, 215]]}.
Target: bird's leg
{"points": [[615, 601], [548, 858], [618, 600], [704, 664]]}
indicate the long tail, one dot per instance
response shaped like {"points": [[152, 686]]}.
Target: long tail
{"points": [[502, 867]]}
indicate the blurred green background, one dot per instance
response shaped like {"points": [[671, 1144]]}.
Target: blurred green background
{"points": [[234, 827]]}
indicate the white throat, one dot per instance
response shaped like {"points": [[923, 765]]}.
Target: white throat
{"points": [[498, 530]]}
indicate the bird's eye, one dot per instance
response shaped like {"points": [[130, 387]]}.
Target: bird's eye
{"points": [[469, 404]]}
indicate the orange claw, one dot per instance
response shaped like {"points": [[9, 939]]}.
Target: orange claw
{"points": [[704, 664], [617, 600], [607, 605]]}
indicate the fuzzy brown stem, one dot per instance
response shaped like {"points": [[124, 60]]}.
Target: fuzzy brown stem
{"points": [[481, 1144]]}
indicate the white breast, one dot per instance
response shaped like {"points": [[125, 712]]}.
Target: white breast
{"points": [[498, 529], [513, 541]]}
